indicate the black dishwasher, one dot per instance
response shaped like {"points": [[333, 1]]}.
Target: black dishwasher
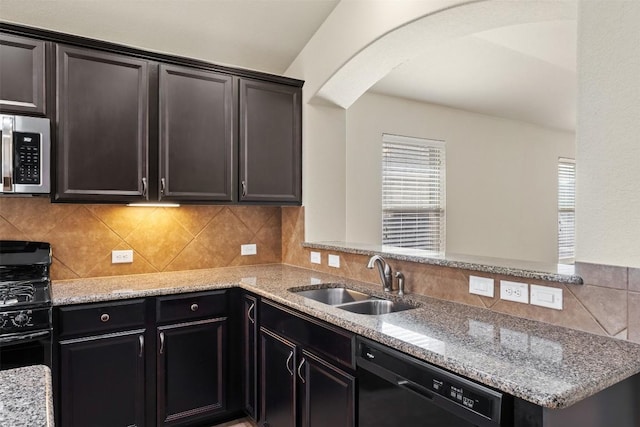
{"points": [[395, 389]]}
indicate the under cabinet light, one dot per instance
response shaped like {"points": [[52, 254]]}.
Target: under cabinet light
{"points": [[154, 205]]}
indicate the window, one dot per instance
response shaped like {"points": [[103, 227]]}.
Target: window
{"points": [[566, 209], [413, 193]]}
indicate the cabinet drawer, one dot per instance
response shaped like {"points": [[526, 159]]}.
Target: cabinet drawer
{"points": [[191, 306], [317, 336], [98, 318]]}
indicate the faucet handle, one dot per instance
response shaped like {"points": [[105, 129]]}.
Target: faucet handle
{"points": [[400, 278]]}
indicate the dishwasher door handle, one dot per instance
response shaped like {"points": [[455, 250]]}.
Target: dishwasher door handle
{"points": [[415, 388]]}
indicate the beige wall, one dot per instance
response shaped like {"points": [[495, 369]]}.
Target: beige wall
{"points": [[501, 176], [608, 133]]}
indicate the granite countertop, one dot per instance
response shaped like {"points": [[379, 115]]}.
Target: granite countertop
{"points": [[562, 273], [26, 397], [548, 365]]}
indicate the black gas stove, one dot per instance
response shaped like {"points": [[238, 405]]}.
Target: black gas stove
{"points": [[25, 303]]}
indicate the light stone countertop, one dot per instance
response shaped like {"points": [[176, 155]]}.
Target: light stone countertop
{"points": [[26, 398], [548, 365]]}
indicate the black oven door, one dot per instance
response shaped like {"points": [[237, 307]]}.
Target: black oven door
{"points": [[24, 349]]}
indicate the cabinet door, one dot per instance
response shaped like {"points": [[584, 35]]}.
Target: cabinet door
{"points": [[249, 354], [277, 381], [327, 395], [22, 75], [197, 150], [270, 142], [102, 126], [102, 380], [190, 371]]}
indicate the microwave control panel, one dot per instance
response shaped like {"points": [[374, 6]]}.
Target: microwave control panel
{"points": [[27, 169]]}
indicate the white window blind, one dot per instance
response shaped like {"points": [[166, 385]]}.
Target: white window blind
{"points": [[413, 193], [566, 209]]}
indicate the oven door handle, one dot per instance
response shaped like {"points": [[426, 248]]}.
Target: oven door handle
{"points": [[23, 337]]}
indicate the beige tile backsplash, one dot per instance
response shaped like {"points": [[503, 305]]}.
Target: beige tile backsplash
{"points": [[192, 237], [162, 239]]}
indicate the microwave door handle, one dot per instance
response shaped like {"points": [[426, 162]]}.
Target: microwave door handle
{"points": [[7, 154]]}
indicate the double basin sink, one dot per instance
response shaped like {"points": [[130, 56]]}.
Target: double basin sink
{"points": [[354, 301]]}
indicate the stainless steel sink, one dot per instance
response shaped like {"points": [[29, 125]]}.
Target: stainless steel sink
{"points": [[376, 306], [354, 301], [333, 296]]}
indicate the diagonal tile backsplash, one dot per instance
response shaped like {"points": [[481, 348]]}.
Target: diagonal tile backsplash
{"points": [[163, 239]]}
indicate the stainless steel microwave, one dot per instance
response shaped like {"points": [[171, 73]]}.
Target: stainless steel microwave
{"points": [[25, 155]]}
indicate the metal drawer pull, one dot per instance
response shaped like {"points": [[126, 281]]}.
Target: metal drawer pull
{"points": [[105, 317], [161, 342], [252, 307], [194, 307], [289, 360], [141, 338], [144, 187], [162, 185], [299, 369], [244, 189]]}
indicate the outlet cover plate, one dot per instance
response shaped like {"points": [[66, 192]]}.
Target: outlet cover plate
{"points": [[251, 249], [546, 296], [481, 286], [514, 291], [316, 258], [122, 257], [334, 261]]}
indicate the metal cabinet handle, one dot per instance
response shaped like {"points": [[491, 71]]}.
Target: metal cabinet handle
{"points": [[105, 317], [251, 308], [144, 187], [300, 368], [244, 188], [141, 339], [161, 342], [162, 185], [289, 360], [194, 307]]}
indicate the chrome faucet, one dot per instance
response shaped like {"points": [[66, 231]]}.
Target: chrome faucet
{"points": [[385, 271]]}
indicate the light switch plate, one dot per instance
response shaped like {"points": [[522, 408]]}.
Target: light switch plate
{"points": [[122, 257], [251, 249], [546, 296], [334, 261], [514, 291], [316, 258], [481, 286]]}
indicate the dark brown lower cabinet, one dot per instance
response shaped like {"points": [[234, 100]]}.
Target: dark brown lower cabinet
{"points": [[327, 393], [249, 355], [297, 387], [277, 382], [103, 380], [190, 371]]}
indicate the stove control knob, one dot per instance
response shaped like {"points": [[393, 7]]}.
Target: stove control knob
{"points": [[21, 319]]}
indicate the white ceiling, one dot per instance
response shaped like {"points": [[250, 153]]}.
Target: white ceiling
{"points": [[524, 72], [264, 35]]}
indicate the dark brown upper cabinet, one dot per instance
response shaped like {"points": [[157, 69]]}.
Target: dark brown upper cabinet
{"points": [[22, 75], [102, 145], [197, 149], [270, 142]]}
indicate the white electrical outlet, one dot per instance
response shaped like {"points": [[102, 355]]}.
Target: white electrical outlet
{"points": [[122, 257], [514, 291], [334, 261], [316, 258], [546, 296], [248, 249], [481, 286]]}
